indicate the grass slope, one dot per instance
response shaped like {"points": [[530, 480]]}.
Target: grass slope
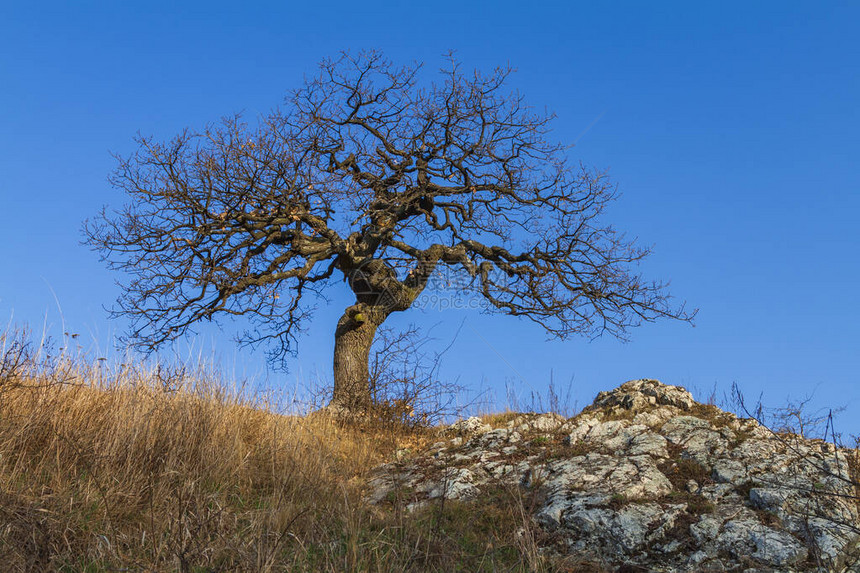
{"points": [[134, 470]]}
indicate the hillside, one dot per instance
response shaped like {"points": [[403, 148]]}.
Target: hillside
{"points": [[647, 479], [159, 470]]}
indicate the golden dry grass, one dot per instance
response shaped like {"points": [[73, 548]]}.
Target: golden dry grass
{"points": [[129, 471]]}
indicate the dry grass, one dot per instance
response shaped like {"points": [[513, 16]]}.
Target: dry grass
{"points": [[137, 471]]}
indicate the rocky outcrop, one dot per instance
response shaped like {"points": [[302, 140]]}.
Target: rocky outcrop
{"points": [[648, 477]]}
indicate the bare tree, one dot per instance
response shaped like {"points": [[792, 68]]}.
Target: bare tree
{"points": [[369, 175]]}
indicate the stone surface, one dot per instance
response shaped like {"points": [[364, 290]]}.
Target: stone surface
{"points": [[641, 394], [645, 476], [537, 423], [469, 427]]}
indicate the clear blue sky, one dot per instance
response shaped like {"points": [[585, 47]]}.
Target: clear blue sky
{"points": [[732, 130]]}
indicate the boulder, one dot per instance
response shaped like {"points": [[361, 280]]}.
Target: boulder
{"points": [[647, 478]]}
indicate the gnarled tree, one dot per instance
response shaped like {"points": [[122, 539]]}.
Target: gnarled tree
{"points": [[370, 176]]}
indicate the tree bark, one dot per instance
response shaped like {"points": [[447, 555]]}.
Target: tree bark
{"points": [[352, 340]]}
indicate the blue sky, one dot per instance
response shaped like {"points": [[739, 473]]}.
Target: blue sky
{"points": [[731, 130]]}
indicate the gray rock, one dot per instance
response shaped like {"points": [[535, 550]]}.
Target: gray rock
{"points": [[632, 477], [584, 425], [499, 470], [542, 423], [648, 443], [454, 483], [553, 511], [619, 437], [836, 541], [716, 492], [770, 499], [705, 530], [469, 427], [771, 547], [700, 441], [656, 417], [775, 502], [389, 479], [642, 394], [624, 530], [730, 471], [697, 558], [495, 439]]}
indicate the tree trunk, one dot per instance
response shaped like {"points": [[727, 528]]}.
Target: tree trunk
{"points": [[352, 340]]}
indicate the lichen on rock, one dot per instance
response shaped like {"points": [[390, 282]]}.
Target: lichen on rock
{"points": [[647, 476]]}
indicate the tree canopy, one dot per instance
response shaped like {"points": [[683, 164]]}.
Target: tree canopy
{"points": [[371, 175]]}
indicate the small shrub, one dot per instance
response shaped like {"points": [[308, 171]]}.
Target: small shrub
{"points": [[743, 490], [616, 501], [698, 505], [681, 470], [690, 469]]}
